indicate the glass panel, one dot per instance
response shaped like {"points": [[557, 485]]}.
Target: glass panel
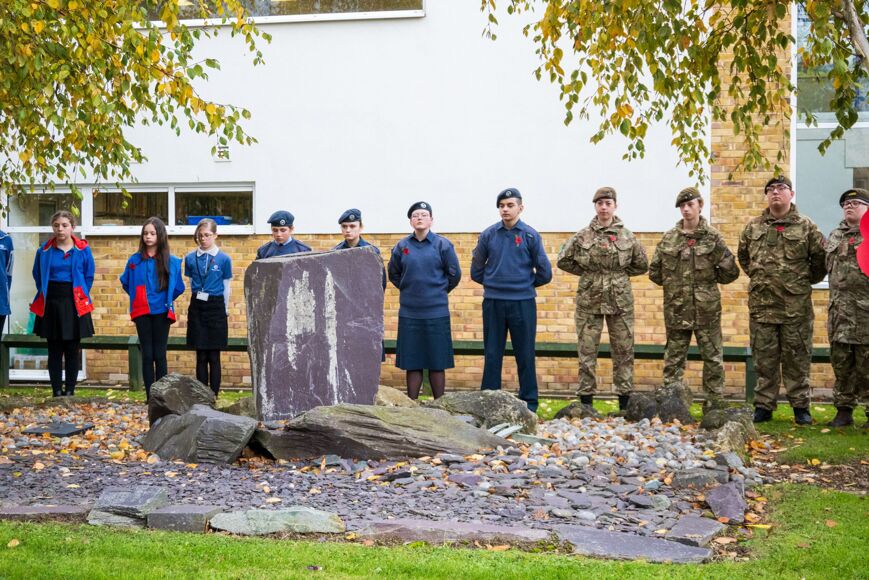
{"points": [[814, 88], [22, 292], [821, 179], [109, 207], [189, 9], [226, 208], [36, 209]]}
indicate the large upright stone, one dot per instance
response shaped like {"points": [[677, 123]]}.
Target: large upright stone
{"points": [[315, 329]]}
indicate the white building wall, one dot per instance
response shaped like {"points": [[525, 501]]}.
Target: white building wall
{"points": [[378, 114]]}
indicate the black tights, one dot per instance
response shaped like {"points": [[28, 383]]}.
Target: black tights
{"points": [[208, 360], [58, 350], [437, 380], [153, 331]]}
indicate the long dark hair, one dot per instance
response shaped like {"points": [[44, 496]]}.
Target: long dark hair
{"points": [[161, 257]]}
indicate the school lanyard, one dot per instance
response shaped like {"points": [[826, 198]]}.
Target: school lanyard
{"points": [[202, 277]]}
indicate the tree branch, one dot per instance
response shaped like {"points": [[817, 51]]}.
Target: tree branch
{"points": [[857, 32]]}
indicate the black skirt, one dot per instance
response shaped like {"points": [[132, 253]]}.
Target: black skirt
{"points": [[424, 344], [207, 326], [61, 321]]}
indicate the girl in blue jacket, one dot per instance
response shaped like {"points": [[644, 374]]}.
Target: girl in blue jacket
{"points": [[63, 270], [153, 281]]}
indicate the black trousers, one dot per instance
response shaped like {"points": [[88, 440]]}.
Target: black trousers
{"points": [[58, 351], [153, 331], [519, 318], [208, 368]]}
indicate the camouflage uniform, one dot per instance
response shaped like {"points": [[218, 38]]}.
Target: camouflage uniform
{"points": [[604, 258], [848, 318], [690, 266], [783, 258]]}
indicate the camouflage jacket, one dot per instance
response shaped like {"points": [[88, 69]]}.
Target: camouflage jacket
{"points": [[783, 258], [604, 258], [690, 266], [848, 319]]}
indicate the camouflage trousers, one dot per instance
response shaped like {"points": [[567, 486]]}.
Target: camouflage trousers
{"points": [[621, 332], [709, 342], [782, 353], [851, 365]]}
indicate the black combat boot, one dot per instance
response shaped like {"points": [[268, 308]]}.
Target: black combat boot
{"points": [[844, 417], [762, 415], [587, 400], [802, 416], [623, 402]]}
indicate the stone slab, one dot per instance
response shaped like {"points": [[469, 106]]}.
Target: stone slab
{"points": [[695, 530], [45, 513], [588, 541], [59, 429], [201, 435], [728, 501], [296, 519], [183, 518], [446, 532], [698, 478], [315, 330], [120, 506]]}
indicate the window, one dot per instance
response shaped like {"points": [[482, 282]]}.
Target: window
{"points": [[34, 210], [112, 208], [231, 208], [312, 9]]}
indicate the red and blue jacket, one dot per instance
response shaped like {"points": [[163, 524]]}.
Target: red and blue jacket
{"points": [[140, 281], [82, 275]]}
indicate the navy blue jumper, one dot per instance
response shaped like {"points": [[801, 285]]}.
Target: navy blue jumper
{"points": [[510, 264], [424, 272], [273, 248]]}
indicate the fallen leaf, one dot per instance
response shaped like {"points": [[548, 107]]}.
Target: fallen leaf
{"points": [[367, 542], [73, 486], [804, 545], [13, 543], [724, 540], [724, 520], [502, 548], [170, 474], [751, 518], [116, 454], [274, 500], [815, 461], [825, 430], [38, 466], [831, 523], [662, 531], [314, 491], [759, 526], [124, 444], [350, 536], [4, 460], [191, 465], [152, 459]]}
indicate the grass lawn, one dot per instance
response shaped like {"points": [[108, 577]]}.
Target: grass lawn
{"points": [[814, 534]]}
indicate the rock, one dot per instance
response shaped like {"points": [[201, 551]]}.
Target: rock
{"points": [[733, 436], [244, 407], [59, 429], [531, 439], [653, 501], [489, 407], [729, 459], [182, 518], [716, 418], [441, 532], [45, 513], [589, 541], [694, 530], [128, 507], [176, 394], [577, 410], [272, 443], [641, 406], [728, 501], [296, 519], [674, 403], [202, 435], [315, 330], [390, 397], [697, 478], [370, 432]]}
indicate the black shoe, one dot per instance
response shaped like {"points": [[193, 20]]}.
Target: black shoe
{"points": [[623, 402], [762, 415], [844, 417], [802, 416], [56, 393], [587, 400]]}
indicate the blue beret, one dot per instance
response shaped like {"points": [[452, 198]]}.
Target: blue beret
{"points": [[351, 215], [509, 193], [282, 218], [419, 205]]}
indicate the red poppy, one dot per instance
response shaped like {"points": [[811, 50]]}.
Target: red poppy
{"points": [[518, 240], [132, 266], [691, 242], [851, 241], [612, 238], [779, 229], [405, 251]]}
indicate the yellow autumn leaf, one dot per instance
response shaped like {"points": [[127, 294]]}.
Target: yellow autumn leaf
{"points": [[14, 542], [116, 454], [124, 444], [170, 474], [815, 462], [38, 466], [210, 108], [759, 526], [38, 26]]}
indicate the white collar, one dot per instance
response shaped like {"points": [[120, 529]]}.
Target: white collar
{"points": [[290, 239], [212, 251]]}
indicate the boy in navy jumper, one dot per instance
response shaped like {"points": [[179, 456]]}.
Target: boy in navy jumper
{"points": [[510, 262], [283, 242]]}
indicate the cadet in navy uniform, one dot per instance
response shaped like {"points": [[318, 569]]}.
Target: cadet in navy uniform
{"points": [[425, 268], [510, 262], [283, 242], [6, 259], [210, 271], [351, 228]]}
